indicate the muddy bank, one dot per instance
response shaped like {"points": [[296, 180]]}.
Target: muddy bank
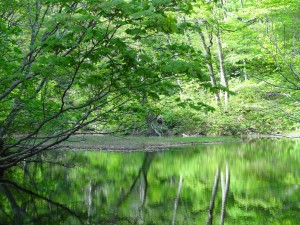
{"points": [[128, 144]]}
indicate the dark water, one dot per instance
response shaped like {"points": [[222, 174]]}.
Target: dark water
{"points": [[169, 187]]}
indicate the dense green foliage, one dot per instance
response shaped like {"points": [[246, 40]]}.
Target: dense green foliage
{"points": [[68, 65], [144, 67], [261, 59]]}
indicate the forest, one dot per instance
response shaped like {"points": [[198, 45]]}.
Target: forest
{"points": [[144, 68]]}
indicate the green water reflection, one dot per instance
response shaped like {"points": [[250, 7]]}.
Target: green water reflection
{"points": [[142, 188]]}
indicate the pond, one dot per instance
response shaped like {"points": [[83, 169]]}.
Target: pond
{"points": [[165, 187]]}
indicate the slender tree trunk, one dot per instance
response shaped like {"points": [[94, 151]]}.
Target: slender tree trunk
{"points": [[223, 78], [1, 153], [90, 201], [26, 171], [242, 3], [245, 70], [213, 197], [177, 199], [225, 189], [209, 65], [143, 190]]}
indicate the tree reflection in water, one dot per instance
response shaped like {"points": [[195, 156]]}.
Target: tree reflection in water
{"points": [[170, 187], [30, 207]]}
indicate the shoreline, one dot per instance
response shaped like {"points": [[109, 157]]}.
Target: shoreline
{"points": [[145, 148], [133, 143]]}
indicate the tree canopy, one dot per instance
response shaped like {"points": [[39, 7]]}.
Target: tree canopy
{"points": [[68, 64], [206, 67]]}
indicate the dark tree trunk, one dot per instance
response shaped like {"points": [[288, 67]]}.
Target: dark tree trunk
{"points": [[1, 152]]}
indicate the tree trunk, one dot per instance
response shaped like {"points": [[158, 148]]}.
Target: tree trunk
{"points": [[223, 78], [225, 189], [209, 65], [242, 3], [1, 153], [89, 200], [212, 199], [177, 199], [245, 70]]}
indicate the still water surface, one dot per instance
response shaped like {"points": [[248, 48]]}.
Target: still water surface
{"points": [[167, 187]]}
